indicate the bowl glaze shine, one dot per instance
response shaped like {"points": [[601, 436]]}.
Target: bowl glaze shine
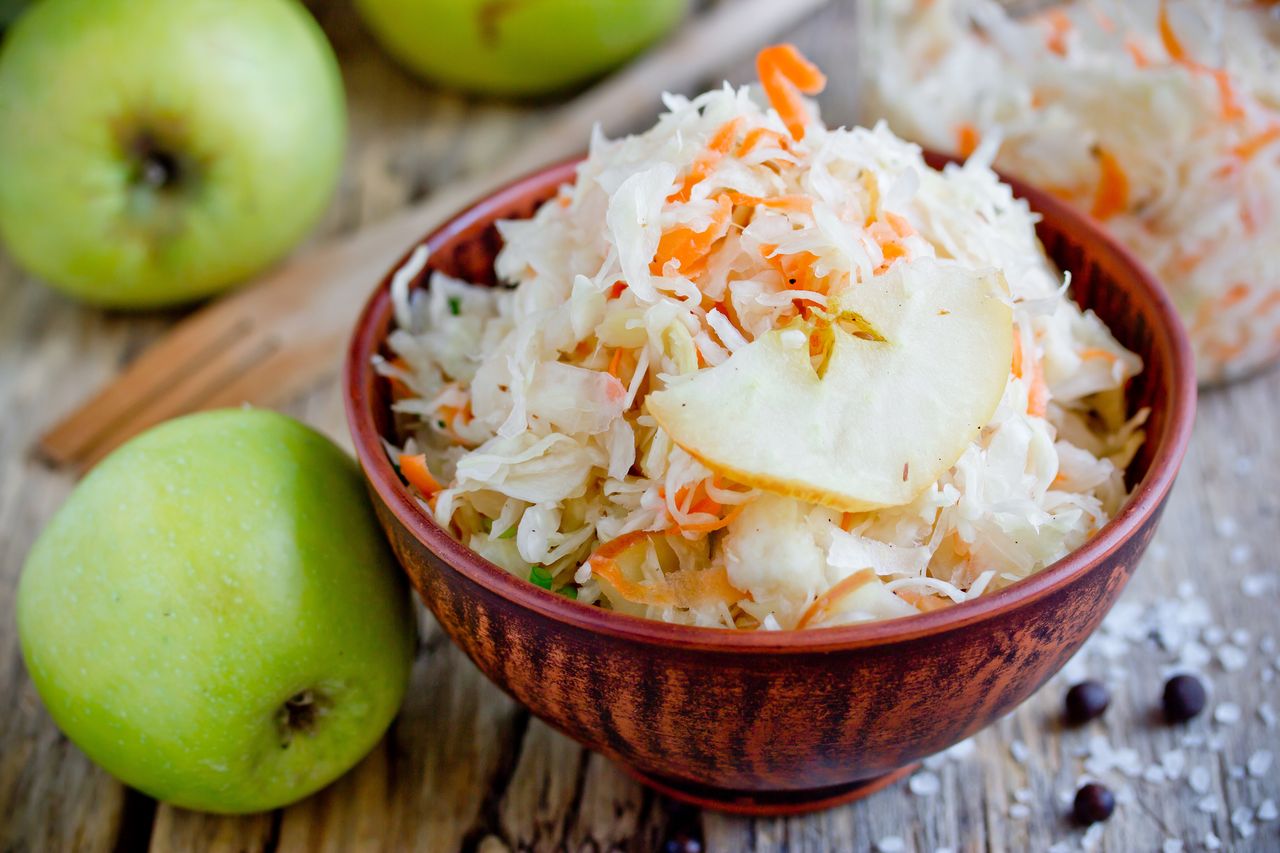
{"points": [[776, 722]]}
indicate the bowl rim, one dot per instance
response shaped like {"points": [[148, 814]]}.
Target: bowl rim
{"points": [[1146, 498]]}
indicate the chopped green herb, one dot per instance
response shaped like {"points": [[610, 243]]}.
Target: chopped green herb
{"points": [[569, 592], [455, 306], [509, 533], [540, 576]]}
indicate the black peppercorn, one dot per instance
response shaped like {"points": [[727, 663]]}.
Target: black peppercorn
{"points": [[1184, 697], [1093, 803], [1086, 701]]}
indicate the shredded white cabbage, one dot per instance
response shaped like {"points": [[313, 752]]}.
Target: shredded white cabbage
{"points": [[1169, 133], [671, 250]]}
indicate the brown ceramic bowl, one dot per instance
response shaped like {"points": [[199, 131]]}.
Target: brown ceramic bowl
{"points": [[771, 722]]}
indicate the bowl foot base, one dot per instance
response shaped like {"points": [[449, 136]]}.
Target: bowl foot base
{"points": [[767, 803]]}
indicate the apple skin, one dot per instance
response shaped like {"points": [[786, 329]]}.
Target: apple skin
{"points": [[516, 47], [153, 152], [198, 579]]}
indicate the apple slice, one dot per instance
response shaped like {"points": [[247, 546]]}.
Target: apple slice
{"points": [[882, 418]]}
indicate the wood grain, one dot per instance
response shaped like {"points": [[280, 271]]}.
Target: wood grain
{"points": [[463, 768]]}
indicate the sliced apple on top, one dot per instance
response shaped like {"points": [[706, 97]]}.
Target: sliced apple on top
{"points": [[914, 368]]}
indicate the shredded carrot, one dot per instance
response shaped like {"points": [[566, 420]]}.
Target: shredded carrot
{"points": [[1168, 37], [1060, 27], [756, 136], [1038, 392], [399, 390], [822, 605], [684, 588], [899, 224], [1016, 367], [872, 186], [710, 526], [967, 139], [719, 145], [1235, 294], [415, 471], [615, 364], [1112, 194], [923, 602], [616, 290], [784, 74], [1140, 58], [690, 247], [1098, 352], [1251, 146]]}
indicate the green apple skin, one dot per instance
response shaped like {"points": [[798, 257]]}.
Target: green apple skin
{"points": [[196, 581], [153, 152], [516, 47]]}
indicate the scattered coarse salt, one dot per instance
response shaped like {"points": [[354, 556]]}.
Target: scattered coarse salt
{"points": [[1259, 763], [1226, 713], [1267, 645], [1235, 771], [1019, 751], [1232, 658], [1214, 635], [1200, 779], [891, 844], [962, 750], [1208, 805], [1060, 847], [1226, 527], [1173, 763], [944, 850], [1024, 795], [1240, 554], [1154, 774], [1267, 714], [1255, 586], [1212, 842], [924, 784], [1193, 739], [1171, 845], [1092, 836], [1242, 466], [1240, 637], [1193, 655], [1019, 811], [1242, 820], [1267, 811]]}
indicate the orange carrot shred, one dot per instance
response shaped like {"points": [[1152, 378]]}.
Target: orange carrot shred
{"points": [[784, 74], [615, 364], [1140, 58], [823, 603], [415, 471], [1168, 37], [1112, 195], [1251, 146], [616, 290], [967, 139], [1060, 27]]}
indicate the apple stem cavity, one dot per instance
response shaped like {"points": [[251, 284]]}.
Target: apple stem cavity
{"points": [[298, 715], [155, 166]]}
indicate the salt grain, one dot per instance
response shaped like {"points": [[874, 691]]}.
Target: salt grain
{"points": [[1173, 763], [1232, 658], [1235, 771], [1060, 847], [1092, 836], [1227, 713], [891, 844], [1019, 811], [1171, 845], [1267, 811], [1024, 795], [1267, 714], [924, 784], [1240, 554], [1255, 586], [1213, 635], [1240, 637], [1242, 820], [962, 750], [1212, 842], [1259, 763], [1242, 466], [1154, 774], [1019, 751], [1226, 527], [1200, 779], [1208, 805], [1267, 645]]}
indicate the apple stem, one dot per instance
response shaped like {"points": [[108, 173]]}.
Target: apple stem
{"points": [[157, 168]]}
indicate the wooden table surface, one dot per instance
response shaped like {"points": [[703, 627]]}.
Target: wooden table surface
{"points": [[464, 768]]}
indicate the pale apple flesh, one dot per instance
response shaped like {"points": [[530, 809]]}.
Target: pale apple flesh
{"points": [[884, 419]]}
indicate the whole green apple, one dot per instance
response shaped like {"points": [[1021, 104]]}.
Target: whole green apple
{"points": [[9, 12], [214, 615], [517, 47], [157, 151]]}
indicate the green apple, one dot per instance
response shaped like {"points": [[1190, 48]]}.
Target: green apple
{"points": [[153, 151], [214, 615], [9, 12], [517, 47]]}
